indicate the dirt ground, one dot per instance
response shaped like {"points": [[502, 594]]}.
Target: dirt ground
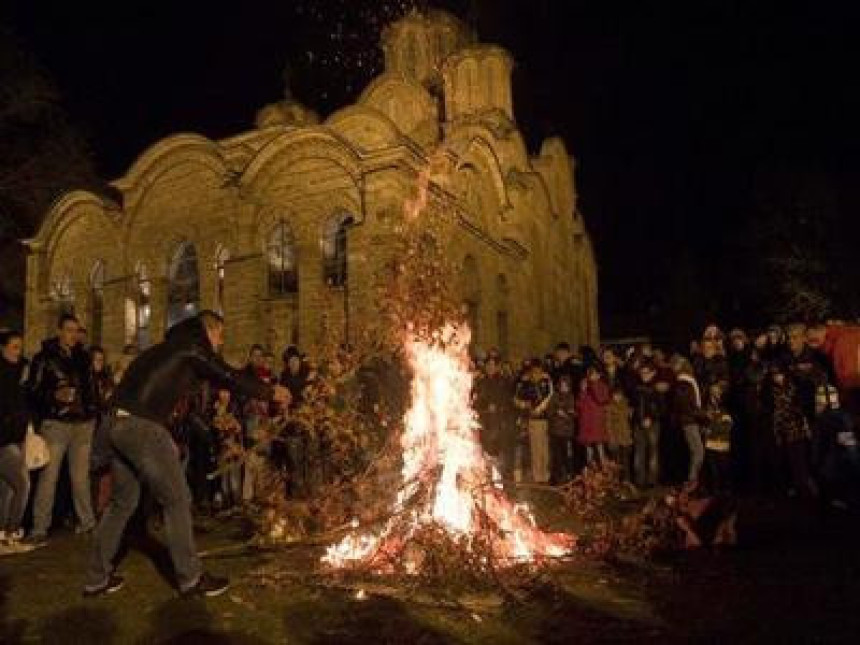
{"points": [[794, 579]]}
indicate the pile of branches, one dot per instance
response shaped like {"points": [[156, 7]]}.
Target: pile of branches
{"points": [[600, 500]]}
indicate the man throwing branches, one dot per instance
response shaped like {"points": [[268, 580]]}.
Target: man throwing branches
{"points": [[143, 452]]}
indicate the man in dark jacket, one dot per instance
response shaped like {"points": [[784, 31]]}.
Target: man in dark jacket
{"points": [[144, 451], [63, 398], [494, 403]]}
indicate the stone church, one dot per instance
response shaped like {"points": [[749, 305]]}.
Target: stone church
{"points": [[268, 225]]}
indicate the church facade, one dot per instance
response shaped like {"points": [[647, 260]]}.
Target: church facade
{"points": [[273, 225]]}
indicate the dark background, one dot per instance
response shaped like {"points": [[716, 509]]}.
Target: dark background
{"points": [[716, 142]]}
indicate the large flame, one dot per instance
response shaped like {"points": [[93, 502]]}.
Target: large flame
{"points": [[442, 454]]}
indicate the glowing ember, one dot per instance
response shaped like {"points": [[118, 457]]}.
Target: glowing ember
{"points": [[445, 469]]}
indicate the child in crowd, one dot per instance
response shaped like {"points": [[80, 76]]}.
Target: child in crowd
{"points": [[229, 439], [562, 419], [619, 433]]}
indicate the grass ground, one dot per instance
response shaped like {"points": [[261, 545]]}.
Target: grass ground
{"points": [[795, 578]]}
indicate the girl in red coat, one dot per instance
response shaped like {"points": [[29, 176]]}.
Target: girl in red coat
{"points": [[591, 410]]}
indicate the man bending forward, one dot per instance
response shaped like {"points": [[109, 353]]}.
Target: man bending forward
{"points": [[143, 451]]}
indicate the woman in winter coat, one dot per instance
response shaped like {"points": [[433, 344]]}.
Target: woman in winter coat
{"points": [[591, 409], [14, 477]]}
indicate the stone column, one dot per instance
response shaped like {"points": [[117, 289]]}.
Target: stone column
{"points": [[208, 275], [312, 297], [358, 292], [114, 314]]}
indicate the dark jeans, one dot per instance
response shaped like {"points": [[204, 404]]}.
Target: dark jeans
{"points": [[767, 474], [718, 471], [561, 458], [14, 487], [646, 455], [75, 439], [797, 456], [144, 452]]}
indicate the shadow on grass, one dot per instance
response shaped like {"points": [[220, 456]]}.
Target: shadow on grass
{"points": [[189, 620], [10, 631], [334, 618], [152, 549], [553, 615], [79, 625]]}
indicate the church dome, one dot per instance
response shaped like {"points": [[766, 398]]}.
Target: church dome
{"points": [[285, 113]]}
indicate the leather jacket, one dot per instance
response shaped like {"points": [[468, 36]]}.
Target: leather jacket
{"points": [[156, 380], [54, 368]]}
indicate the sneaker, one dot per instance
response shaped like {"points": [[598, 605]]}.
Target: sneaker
{"points": [[208, 585], [16, 545], [113, 584]]}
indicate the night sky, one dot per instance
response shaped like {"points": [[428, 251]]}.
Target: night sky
{"points": [[674, 111]]}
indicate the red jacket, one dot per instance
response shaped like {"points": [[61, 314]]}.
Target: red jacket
{"points": [[591, 409], [842, 346]]}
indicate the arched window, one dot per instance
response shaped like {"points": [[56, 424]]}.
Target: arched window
{"points": [[63, 298], [97, 302], [183, 284], [63, 294], [334, 249], [221, 258], [281, 261]]}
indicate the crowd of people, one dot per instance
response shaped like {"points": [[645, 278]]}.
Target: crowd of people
{"points": [[739, 414], [759, 415], [65, 395]]}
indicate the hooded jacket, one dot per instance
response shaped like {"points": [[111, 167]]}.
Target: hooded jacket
{"points": [[53, 368], [153, 384]]}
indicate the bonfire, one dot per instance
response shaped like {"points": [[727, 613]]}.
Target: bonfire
{"points": [[450, 487]]}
